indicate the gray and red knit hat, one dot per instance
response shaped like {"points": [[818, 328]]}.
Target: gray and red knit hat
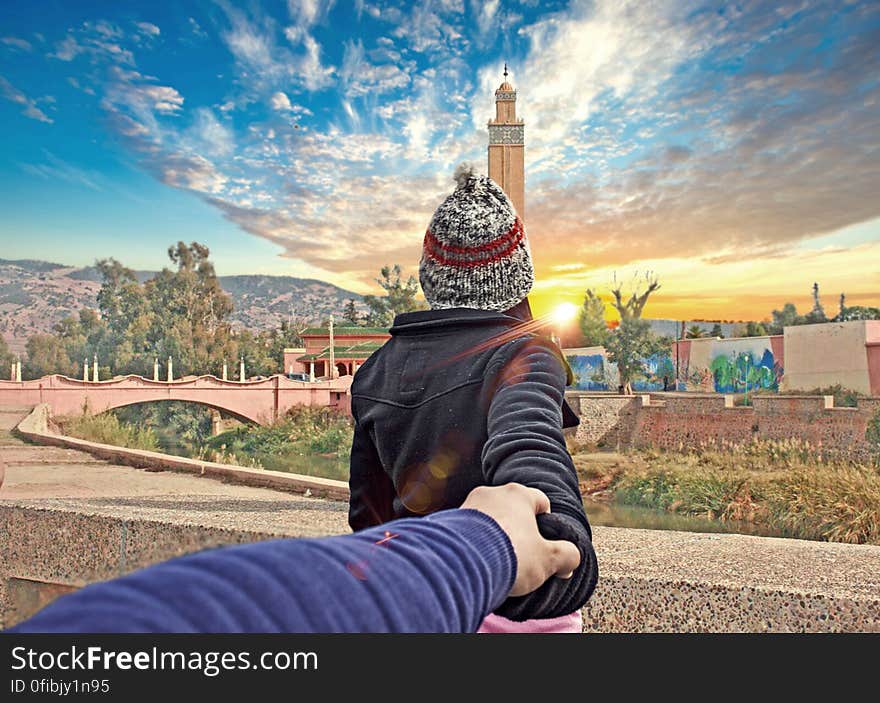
{"points": [[475, 253]]}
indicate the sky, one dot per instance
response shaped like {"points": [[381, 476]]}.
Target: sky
{"points": [[730, 149]]}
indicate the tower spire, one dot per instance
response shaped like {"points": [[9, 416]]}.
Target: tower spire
{"points": [[506, 164]]}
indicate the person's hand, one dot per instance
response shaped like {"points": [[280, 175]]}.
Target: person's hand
{"points": [[514, 506]]}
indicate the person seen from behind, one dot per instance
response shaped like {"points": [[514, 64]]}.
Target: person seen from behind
{"points": [[471, 393]]}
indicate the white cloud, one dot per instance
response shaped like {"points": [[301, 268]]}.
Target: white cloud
{"points": [[55, 168], [306, 13], [264, 66], [13, 94], [315, 75], [79, 86], [251, 46], [280, 102], [431, 27], [148, 28], [360, 77], [211, 135], [486, 15], [67, 49], [16, 43], [192, 172], [197, 28], [164, 99], [98, 40]]}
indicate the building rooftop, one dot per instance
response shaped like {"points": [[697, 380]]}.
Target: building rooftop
{"points": [[353, 351]]}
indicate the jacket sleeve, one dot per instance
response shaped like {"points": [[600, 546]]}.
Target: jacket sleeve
{"points": [[441, 573], [525, 445], [372, 492]]}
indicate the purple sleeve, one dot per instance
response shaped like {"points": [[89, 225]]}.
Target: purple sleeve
{"points": [[441, 573]]}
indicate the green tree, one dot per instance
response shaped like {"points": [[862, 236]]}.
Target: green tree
{"points": [[46, 355], [858, 312], [286, 337], [400, 297], [629, 346], [350, 314], [6, 359], [633, 341], [750, 329], [190, 312], [592, 320], [716, 331], [787, 317], [694, 332], [126, 312], [257, 351]]}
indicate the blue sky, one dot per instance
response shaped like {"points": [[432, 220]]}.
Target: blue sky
{"points": [[730, 147]]}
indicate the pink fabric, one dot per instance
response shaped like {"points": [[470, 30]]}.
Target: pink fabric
{"points": [[494, 624]]}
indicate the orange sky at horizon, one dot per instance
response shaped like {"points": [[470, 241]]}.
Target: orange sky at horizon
{"points": [[694, 288]]}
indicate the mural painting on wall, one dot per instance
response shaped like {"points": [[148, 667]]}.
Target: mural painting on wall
{"points": [[592, 372], [658, 374], [745, 371], [589, 372]]}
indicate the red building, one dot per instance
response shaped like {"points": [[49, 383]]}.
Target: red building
{"points": [[351, 347]]}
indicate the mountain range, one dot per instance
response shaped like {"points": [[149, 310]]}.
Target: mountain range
{"points": [[36, 295]]}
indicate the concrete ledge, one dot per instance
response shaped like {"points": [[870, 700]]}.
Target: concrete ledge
{"points": [[65, 525], [655, 581], [650, 581], [35, 428]]}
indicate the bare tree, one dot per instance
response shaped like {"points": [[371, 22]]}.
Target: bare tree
{"points": [[633, 307]]}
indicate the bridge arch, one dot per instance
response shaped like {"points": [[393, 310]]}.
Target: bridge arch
{"points": [[212, 406], [260, 401]]}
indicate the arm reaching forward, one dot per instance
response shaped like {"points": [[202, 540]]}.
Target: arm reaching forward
{"points": [[441, 573]]}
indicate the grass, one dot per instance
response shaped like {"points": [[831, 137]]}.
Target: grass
{"points": [[106, 428], [785, 486], [302, 431]]}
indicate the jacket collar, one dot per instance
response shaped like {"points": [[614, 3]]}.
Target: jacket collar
{"points": [[426, 320], [422, 320]]}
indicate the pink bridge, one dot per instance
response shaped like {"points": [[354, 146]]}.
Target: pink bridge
{"points": [[258, 401]]}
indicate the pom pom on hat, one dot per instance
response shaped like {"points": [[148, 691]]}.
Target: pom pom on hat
{"points": [[464, 172]]}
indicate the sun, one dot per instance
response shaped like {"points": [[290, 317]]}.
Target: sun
{"points": [[564, 313]]}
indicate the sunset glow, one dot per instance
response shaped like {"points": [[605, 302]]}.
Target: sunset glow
{"points": [[314, 140]]}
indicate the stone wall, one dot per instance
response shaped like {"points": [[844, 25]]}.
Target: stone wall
{"points": [[674, 421], [607, 421]]}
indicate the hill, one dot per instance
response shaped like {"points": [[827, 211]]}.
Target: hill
{"points": [[36, 295]]}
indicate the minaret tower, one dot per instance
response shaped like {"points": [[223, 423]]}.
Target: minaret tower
{"points": [[506, 149]]}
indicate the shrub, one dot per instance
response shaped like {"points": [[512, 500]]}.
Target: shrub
{"points": [[837, 503], [106, 428]]}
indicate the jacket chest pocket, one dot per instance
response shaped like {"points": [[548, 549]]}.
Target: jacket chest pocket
{"points": [[412, 375]]}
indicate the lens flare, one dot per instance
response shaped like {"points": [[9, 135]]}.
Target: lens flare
{"points": [[564, 312]]}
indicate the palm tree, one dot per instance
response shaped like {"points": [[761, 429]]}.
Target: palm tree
{"points": [[694, 332]]}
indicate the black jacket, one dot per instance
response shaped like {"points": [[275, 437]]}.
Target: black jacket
{"points": [[463, 398]]}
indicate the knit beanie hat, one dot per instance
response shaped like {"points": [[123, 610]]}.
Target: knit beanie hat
{"points": [[475, 253]]}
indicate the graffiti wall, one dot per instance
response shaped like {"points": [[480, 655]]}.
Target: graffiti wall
{"points": [[739, 365], [591, 369], [593, 372], [658, 375]]}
